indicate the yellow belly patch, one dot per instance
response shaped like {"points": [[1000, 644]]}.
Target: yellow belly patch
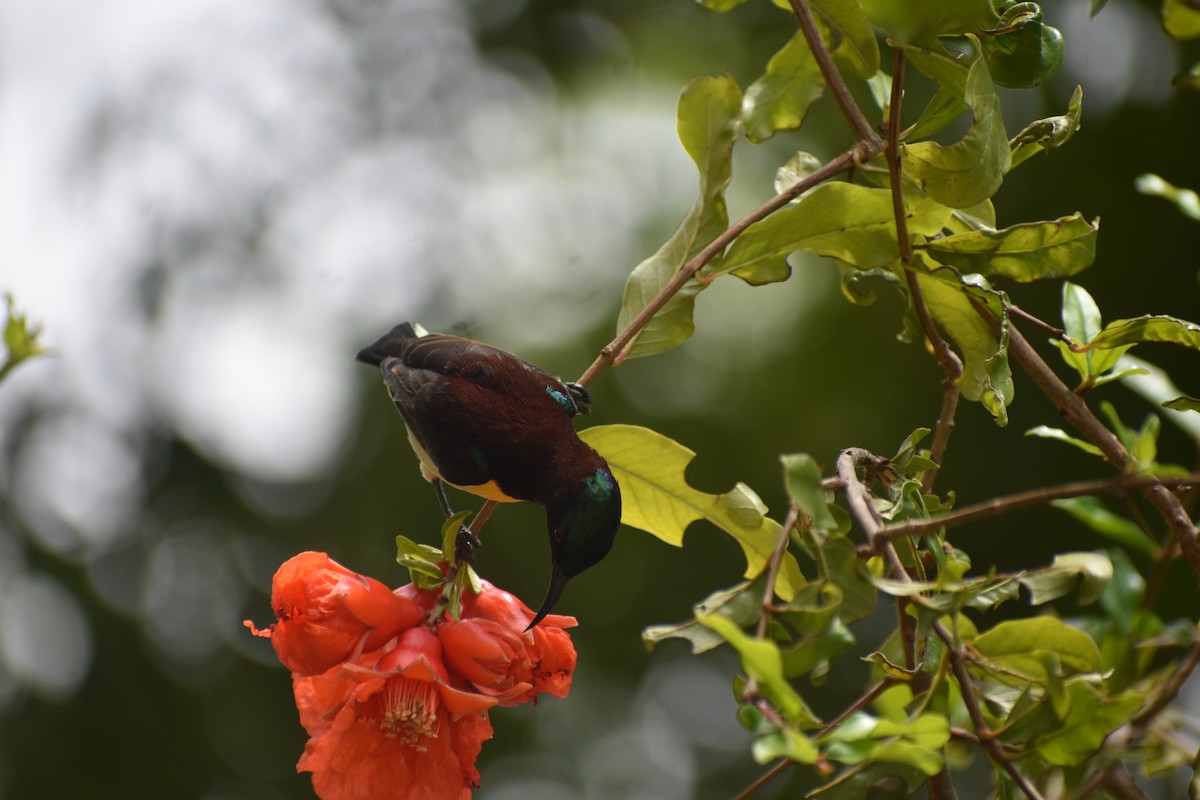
{"points": [[488, 491]]}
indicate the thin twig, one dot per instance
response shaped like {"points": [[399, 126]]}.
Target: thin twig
{"points": [[1057, 334], [833, 78], [1076, 411], [958, 664], [1168, 691], [609, 354], [1032, 497], [765, 778], [950, 362]]}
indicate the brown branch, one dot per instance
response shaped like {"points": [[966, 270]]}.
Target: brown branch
{"points": [[1054, 333], [764, 779], [990, 746], [611, 351], [773, 566], [1076, 411], [1168, 691], [862, 129], [1032, 497], [949, 361]]}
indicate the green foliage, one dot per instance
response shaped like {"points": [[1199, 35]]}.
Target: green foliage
{"points": [[20, 338], [656, 498], [1044, 692], [709, 119]]}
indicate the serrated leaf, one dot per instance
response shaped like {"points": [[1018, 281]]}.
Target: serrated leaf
{"points": [[781, 98], [851, 223], [741, 604], [1026, 252], [1090, 571], [708, 119], [1018, 646], [656, 498], [1047, 134], [1149, 328], [762, 661], [1092, 512], [971, 170], [1045, 432], [858, 50]]}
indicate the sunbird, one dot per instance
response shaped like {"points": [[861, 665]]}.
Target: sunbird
{"points": [[494, 425]]}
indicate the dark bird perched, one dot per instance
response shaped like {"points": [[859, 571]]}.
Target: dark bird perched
{"points": [[487, 422]]}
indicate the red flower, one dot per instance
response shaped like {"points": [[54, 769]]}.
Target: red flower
{"points": [[325, 613], [490, 648], [393, 709], [390, 725]]}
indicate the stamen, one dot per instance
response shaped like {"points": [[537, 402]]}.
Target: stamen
{"points": [[409, 711]]}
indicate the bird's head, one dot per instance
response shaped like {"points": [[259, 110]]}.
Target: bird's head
{"points": [[582, 522]]}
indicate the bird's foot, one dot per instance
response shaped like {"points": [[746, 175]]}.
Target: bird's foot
{"points": [[465, 544]]}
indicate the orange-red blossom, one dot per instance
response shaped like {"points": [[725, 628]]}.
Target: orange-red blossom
{"points": [[396, 708]]}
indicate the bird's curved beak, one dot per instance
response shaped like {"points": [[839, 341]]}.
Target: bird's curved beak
{"points": [[558, 581]]}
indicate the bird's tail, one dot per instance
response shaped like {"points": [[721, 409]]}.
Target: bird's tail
{"points": [[391, 344]]}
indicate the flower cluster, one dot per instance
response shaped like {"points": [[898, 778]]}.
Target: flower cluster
{"points": [[396, 706]]}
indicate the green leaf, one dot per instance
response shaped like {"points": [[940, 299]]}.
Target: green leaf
{"points": [[794, 170], [1044, 432], [1047, 134], [741, 604], [971, 170], [763, 662], [1082, 322], [421, 561], [803, 479], [858, 51], [1183, 404], [785, 743], [840, 220], [1018, 646], [1150, 328], [1186, 200], [721, 5], [917, 743], [1092, 512], [1156, 386], [656, 498], [709, 113], [986, 375], [20, 338], [1089, 720], [1024, 51], [943, 108], [1091, 571], [781, 98], [1026, 252], [1181, 20]]}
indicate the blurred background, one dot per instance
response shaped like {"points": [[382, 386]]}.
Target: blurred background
{"points": [[210, 205]]}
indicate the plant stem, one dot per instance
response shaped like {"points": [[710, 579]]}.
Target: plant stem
{"points": [[949, 361], [1032, 497], [611, 351], [833, 78], [1076, 411]]}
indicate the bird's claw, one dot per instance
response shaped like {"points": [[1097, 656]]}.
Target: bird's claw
{"points": [[465, 544]]}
